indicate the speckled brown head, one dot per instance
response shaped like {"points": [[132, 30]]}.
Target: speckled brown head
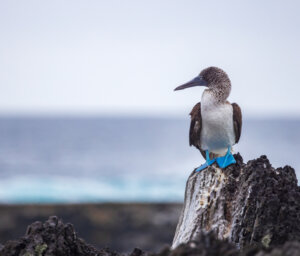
{"points": [[214, 78]]}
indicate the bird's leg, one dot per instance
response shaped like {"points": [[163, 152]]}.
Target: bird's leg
{"points": [[226, 160], [207, 156], [207, 163]]}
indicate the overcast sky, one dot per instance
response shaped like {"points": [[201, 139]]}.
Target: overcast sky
{"points": [[126, 57]]}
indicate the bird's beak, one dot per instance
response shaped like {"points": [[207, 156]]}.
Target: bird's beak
{"points": [[197, 81]]}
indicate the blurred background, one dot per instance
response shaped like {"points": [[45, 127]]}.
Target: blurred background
{"points": [[88, 114]]}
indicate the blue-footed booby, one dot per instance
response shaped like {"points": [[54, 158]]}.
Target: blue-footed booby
{"points": [[215, 123]]}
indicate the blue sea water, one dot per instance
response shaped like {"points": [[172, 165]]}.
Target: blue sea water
{"points": [[100, 159]]}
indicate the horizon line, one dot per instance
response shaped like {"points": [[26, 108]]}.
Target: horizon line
{"points": [[136, 114]]}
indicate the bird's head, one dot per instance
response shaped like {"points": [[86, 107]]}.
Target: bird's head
{"points": [[214, 78]]}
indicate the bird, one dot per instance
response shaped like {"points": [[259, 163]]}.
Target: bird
{"points": [[216, 124]]}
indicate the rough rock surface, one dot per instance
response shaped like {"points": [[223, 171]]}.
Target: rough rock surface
{"points": [[50, 238], [56, 239], [248, 204], [121, 226]]}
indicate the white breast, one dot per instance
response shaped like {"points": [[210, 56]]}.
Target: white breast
{"points": [[217, 131]]}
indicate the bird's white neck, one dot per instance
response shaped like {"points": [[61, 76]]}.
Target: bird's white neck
{"points": [[209, 100], [215, 96]]}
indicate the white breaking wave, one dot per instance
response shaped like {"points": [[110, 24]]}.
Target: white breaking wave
{"points": [[28, 189]]}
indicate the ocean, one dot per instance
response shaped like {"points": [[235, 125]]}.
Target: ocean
{"points": [[101, 159]]}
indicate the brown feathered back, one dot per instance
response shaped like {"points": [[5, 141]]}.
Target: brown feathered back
{"points": [[195, 127], [237, 121]]}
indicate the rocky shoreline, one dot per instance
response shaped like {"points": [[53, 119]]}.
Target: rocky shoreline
{"points": [[121, 226], [53, 237], [246, 209]]}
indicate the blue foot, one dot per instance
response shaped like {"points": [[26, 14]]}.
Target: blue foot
{"points": [[207, 163], [226, 160]]}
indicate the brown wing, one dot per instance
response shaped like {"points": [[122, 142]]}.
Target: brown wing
{"points": [[195, 127], [237, 121]]}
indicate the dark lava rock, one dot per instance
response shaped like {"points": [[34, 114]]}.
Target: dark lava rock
{"points": [[121, 226], [248, 204], [205, 245], [49, 238], [56, 239], [208, 245]]}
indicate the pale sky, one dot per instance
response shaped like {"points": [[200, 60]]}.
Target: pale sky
{"points": [[126, 57]]}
